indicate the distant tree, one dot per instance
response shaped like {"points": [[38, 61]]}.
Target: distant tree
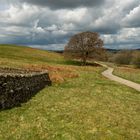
{"points": [[84, 46]]}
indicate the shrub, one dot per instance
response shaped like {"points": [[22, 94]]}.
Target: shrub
{"points": [[136, 59], [123, 57]]}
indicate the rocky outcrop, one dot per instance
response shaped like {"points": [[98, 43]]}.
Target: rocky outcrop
{"points": [[18, 86]]}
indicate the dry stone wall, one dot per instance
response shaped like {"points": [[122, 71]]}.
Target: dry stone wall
{"points": [[17, 86]]}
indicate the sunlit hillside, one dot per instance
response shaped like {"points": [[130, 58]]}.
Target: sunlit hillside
{"points": [[12, 55]]}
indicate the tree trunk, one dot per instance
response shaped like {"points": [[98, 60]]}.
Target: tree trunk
{"points": [[85, 58], [84, 61]]}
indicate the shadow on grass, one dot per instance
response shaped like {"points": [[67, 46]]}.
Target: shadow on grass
{"points": [[79, 63], [73, 62]]}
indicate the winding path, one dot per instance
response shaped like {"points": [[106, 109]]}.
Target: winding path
{"points": [[108, 73]]}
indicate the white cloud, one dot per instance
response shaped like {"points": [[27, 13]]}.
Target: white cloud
{"points": [[75, 15], [133, 18]]}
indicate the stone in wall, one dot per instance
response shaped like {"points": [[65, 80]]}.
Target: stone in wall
{"points": [[18, 86]]}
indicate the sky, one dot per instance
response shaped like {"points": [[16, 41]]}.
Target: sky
{"points": [[49, 24]]}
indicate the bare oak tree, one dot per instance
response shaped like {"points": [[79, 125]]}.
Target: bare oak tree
{"points": [[84, 46]]}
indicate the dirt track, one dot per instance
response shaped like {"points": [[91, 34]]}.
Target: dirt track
{"points": [[108, 73]]}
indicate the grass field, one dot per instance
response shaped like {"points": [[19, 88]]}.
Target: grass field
{"points": [[12, 55], [128, 73], [87, 107]]}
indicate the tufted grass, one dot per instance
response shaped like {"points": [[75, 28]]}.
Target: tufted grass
{"points": [[84, 108]]}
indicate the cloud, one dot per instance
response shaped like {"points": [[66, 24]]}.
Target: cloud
{"points": [[50, 46], [49, 22], [126, 38], [64, 4], [132, 19]]}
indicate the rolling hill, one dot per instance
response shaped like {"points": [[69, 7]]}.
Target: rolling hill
{"points": [[20, 54], [87, 107]]}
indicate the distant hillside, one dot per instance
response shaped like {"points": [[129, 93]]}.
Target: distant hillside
{"points": [[109, 50], [112, 50], [115, 50]]}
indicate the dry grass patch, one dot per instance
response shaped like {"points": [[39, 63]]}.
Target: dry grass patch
{"points": [[58, 74], [129, 73]]}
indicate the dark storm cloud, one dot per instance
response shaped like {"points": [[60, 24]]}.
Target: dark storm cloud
{"points": [[107, 29], [64, 4]]}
